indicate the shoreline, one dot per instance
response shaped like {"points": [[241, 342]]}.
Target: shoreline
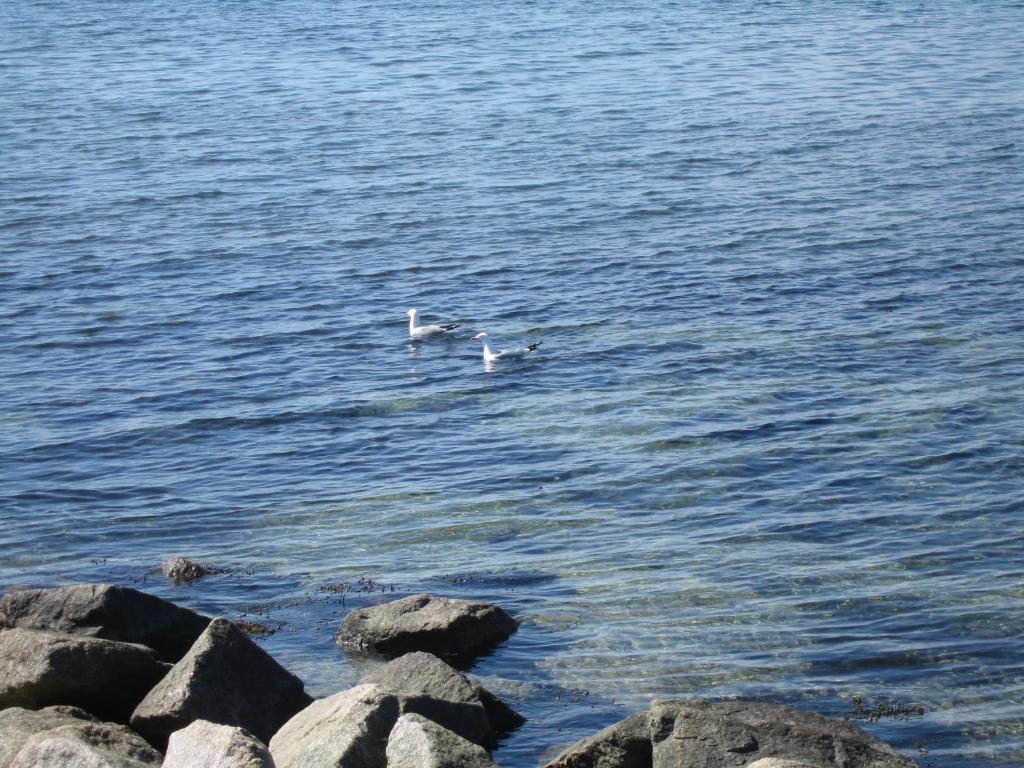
{"points": [[423, 600]]}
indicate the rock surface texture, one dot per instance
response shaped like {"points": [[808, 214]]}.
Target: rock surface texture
{"points": [[208, 745], [104, 677], [351, 728], [225, 678], [416, 742], [17, 725], [181, 570], [427, 686], [699, 734], [347, 730], [106, 611], [86, 745], [457, 629]]}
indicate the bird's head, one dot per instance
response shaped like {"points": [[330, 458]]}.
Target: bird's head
{"points": [[411, 312]]}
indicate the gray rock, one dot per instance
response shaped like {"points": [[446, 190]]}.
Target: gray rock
{"points": [[104, 677], [181, 570], [107, 611], [86, 745], [502, 717], [427, 686], [347, 730], [781, 762], [699, 734], [207, 745], [416, 742], [448, 628], [225, 678], [625, 744], [17, 725]]}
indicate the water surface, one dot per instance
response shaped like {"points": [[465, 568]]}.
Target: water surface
{"points": [[772, 446]]}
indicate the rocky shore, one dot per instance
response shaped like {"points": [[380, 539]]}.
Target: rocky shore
{"points": [[99, 675]]}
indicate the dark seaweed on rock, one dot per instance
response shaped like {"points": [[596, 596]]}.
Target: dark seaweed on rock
{"points": [[181, 570]]}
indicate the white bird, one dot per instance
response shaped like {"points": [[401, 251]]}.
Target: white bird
{"points": [[505, 354], [422, 331]]}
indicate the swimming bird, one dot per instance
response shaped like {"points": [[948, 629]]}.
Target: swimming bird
{"points": [[422, 331], [505, 354]]}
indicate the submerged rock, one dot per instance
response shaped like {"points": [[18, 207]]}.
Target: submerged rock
{"points": [[108, 611], [224, 678], [697, 734], [17, 725], [449, 628], [181, 570], [86, 745], [347, 730], [416, 742], [105, 677], [207, 745]]}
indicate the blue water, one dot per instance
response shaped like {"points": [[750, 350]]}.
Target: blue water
{"points": [[773, 444]]}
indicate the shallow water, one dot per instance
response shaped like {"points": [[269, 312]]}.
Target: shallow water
{"points": [[773, 443]]}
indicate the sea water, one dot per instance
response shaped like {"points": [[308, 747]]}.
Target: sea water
{"points": [[772, 445]]}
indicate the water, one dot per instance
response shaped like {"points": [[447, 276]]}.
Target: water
{"points": [[773, 445]]}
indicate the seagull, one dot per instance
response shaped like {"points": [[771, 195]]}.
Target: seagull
{"points": [[505, 354], [422, 331]]}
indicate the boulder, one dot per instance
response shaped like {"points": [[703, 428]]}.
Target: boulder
{"points": [[104, 677], [17, 725], [698, 734], [207, 745], [86, 745], [427, 686], [501, 716], [625, 744], [181, 570], [416, 742], [457, 629], [347, 730], [107, 611], [782, 762], [225, 678]]}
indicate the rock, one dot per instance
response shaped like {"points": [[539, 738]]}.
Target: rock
{"points": [[207, 745], [781, 762], [625, 744], [416, 742], [502, 717], [225, 678], [447, 628], [104, 677], [351, 728], [86, 745], [697, 734], [347, 730], [17, 724], [181, 570], [427, 686], [107, 611]]}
